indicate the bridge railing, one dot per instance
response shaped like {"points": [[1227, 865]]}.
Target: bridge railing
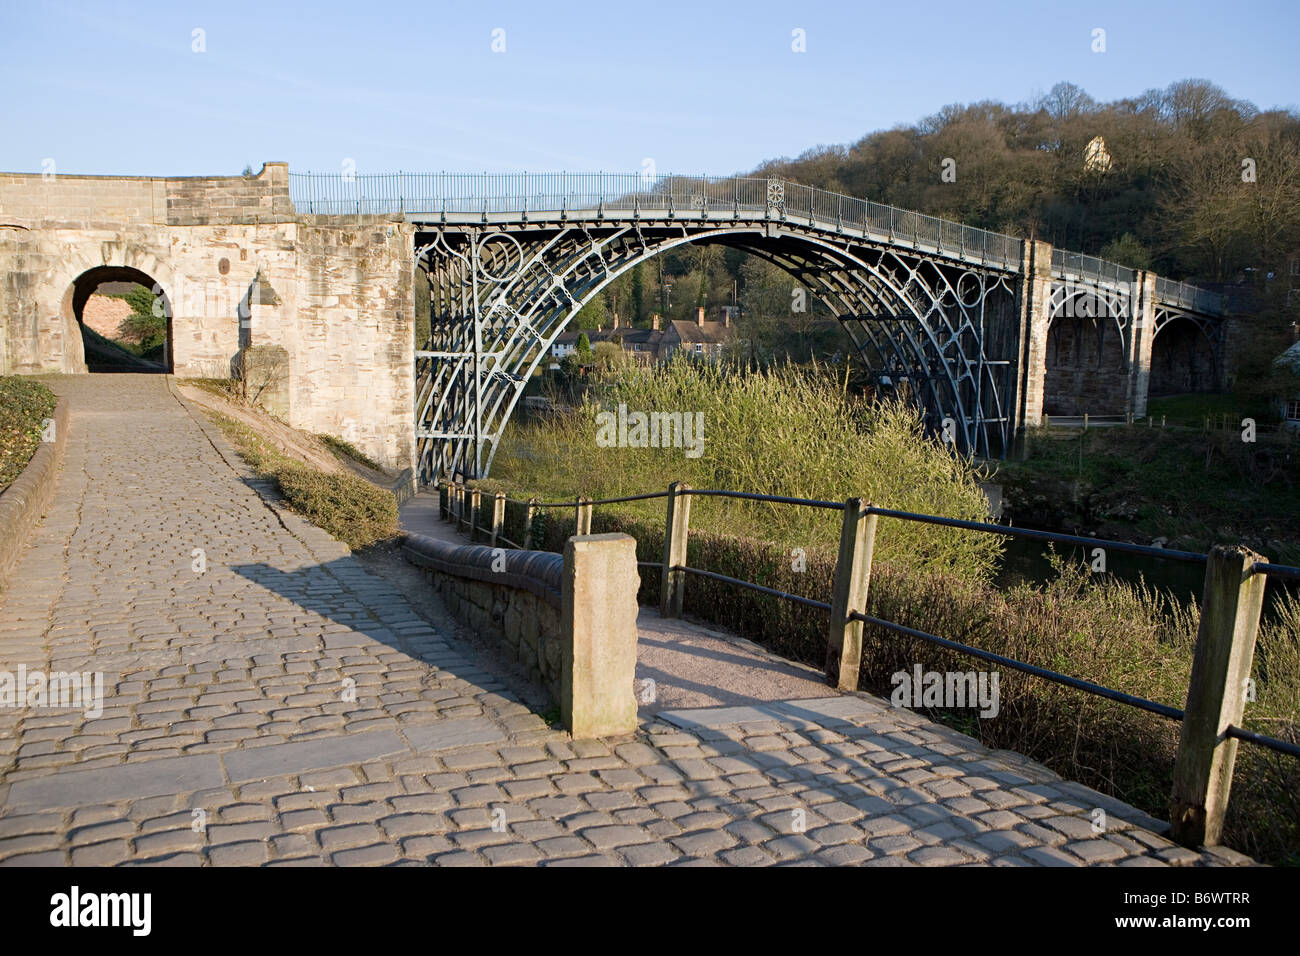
{"points": [[1189, 296], [1076, 265], [1231, 607], [438, 194], [458, 194]]}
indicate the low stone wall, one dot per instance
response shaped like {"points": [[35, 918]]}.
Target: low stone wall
{"points": [[24, 502], [519, 603], [570, 621]]}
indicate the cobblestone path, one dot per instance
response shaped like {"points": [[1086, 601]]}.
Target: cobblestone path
{"points": [[279, 704]]}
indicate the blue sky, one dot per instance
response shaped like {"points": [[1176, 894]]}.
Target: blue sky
{"points": [[116, 88]]}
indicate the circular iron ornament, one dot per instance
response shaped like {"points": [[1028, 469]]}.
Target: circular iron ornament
{"points": [[966, 281], [518, 267], [223, 266]]}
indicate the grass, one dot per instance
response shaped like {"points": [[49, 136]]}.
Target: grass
{"points": [[788, 431], [1192, 409], [1193, 488], [344, 447], [24, 405], [350, 508]]}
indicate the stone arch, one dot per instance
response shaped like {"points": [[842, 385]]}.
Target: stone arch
{"points": [[1086, 364], [83, 285], [1183, 358]]}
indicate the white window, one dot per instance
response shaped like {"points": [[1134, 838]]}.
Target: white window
{"points": [[699, 347], [1293, 411], [1295, 267]]}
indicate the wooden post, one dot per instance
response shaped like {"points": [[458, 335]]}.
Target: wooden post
{"points": [[672, 583], [1085, 421], [529, 516], [852, 579], [1216, 694], [498, 516], [583, 523], [475, 499], [460, 507]]}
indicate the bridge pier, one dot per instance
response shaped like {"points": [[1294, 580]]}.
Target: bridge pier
{"points": [[1035, 301]]}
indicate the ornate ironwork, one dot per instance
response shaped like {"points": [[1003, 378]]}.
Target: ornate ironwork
{"points": [[511, 258]]}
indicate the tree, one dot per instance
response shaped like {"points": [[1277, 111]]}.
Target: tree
{"points": [[1127, 251], [638, 294], [146, 326], [593, 314], [583, 347]]}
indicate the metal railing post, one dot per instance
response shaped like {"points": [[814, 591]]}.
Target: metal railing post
{"points": [[852, 580], [1216, 694], [676, 531]]}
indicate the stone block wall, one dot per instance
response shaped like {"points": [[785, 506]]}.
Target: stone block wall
{"points": [[513, 597], [526, 628], [342, 307]]}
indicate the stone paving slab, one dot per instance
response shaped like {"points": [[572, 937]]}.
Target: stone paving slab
{"points": [[135, 780], [286, 707]]}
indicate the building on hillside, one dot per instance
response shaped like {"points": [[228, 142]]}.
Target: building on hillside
{"points": [[1290, 407], [701, 338]]}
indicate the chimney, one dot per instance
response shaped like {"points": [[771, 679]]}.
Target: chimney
{"points": [[699, 316], [654, 321], [615, 320], [726, 317]]}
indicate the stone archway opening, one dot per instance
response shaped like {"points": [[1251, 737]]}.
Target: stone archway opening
{"points": [[125, 319], [1182, 360], [1086, 372]]}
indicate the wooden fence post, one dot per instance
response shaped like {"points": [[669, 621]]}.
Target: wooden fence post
{"points": [[498, 516], [672, 583], [1216, 694], [583, 523], [529, 516], [852, 580], [475, 500]]}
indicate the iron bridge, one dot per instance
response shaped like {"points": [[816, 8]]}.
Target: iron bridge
{"points": [[511, 258]]}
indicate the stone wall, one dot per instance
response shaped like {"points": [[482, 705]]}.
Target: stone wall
{"points": [[342, 302], [513, 597]]}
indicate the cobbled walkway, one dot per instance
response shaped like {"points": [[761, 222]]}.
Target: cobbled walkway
{"points": [[267, 700]]}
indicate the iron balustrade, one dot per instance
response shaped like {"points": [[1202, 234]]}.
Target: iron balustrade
{"points": [[421, 196]]}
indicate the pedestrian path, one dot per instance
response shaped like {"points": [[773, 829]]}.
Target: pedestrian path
{"points": [[267, 700]]}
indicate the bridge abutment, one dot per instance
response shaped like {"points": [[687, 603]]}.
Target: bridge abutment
{"points": [[235, 267]]}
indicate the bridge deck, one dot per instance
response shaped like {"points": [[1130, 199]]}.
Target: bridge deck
{"points": [[227, 737]]}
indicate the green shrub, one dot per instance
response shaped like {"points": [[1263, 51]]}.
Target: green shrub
{"points": [[24, 404], [348, 507], [788, 431]]}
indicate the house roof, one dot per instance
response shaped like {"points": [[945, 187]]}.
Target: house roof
{"points": [[713, 332], [1290, 357]]}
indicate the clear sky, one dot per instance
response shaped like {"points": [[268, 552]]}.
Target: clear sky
{"points": [[117, 88]]}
